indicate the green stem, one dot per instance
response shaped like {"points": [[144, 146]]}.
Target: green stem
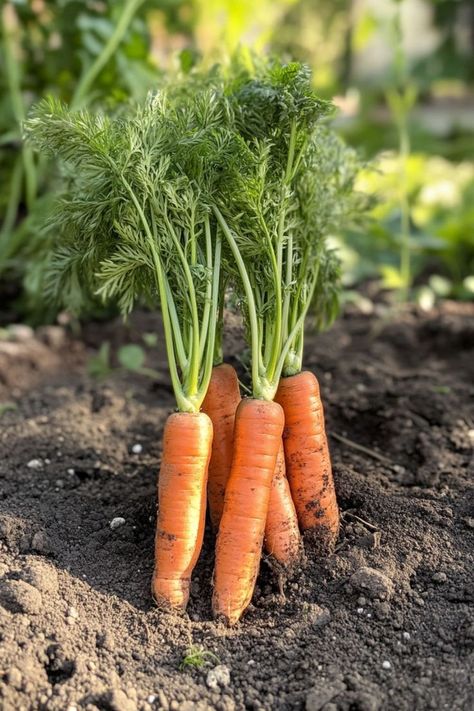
{"points": [[294, 359], [184, 404], [299, 325], [12, 208], [129, 11], [214, 311], [252, 313], [288, 276], [279, 319], [207, 305], [405, 267], [218, 346], [12, 71], [179, 344], [192, 380]]}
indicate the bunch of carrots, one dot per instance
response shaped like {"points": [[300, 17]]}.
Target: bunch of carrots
{"points": [[226, 179]]}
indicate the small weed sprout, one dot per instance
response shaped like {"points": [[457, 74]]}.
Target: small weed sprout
{"points": [[197, 657]]}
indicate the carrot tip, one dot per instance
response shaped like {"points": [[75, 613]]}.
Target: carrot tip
{"points": [[170, 594], [287, 569]]}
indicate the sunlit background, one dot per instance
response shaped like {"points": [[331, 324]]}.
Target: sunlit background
{"points": [[401, 74]]}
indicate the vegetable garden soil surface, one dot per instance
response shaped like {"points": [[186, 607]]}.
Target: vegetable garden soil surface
{"points": [[384, 623]]}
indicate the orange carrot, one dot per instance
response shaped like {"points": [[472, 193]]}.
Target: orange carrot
{"points": [[187, 442], [308, 462], [282, 536], [220, 404], [257, 437]]}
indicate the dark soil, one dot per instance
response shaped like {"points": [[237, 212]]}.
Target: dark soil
{"points": [[384, 623]]}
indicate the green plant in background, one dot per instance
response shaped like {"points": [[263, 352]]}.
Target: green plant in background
{"points": [[440, 196], [83, 52], [320, 34], [422, 232], [131, 358], [401, 99]]}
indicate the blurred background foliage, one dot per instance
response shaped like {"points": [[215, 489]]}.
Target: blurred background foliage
{"points": [[401, 73]]}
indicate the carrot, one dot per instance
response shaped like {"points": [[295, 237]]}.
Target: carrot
{"points": [[308, 462], [187, 444], [257, 437], [282, 536], [220, 404]]}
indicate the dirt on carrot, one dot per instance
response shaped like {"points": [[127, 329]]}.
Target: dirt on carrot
{"points": [[384, 623]]}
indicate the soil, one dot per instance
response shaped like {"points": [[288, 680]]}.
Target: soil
{"points": [[384, 623]]}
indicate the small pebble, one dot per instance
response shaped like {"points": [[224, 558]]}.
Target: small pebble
{"points": [[406, 635], [317, 616], [137, 449], [72, 612], [117, 522], [163, 700], [35, 464], [360, 610], [151, 699], [386, 665], [71, 472], [40, 543], [219, 676], [398, 469], [440, 578], [373, 583]]}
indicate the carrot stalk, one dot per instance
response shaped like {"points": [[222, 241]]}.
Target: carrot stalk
{"points": [[257, 438], [308, 462], [187, 444], [220, 404], [282, 536]]}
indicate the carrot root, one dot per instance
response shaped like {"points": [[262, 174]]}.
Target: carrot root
{"points": [[182, 482], [220, 404], [308, 462], [257, 437], [282, 535]]}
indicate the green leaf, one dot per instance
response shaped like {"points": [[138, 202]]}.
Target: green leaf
{"points": [[131, 356], [468, 284], [7, 407], [440, 285], [150, 339], [441, 389], [187, 59], [392, 277], [98, 365]]}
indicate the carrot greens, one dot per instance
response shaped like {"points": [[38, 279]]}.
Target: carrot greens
{"points": [[136, 220], [286, 188]]}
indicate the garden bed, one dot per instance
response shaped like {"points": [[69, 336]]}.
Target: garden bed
{"points": [[77, 623]]}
